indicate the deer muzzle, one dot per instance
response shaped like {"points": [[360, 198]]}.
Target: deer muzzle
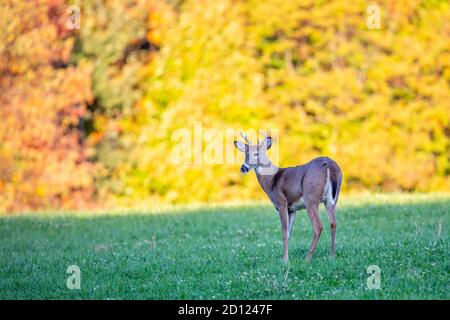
{"points": [[245, 168]]}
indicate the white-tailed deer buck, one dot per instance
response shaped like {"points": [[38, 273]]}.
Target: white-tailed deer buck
{"points": [[295, 188]]}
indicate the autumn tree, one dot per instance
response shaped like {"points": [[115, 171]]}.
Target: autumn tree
{"points": [[114, 41], [42, 103]]}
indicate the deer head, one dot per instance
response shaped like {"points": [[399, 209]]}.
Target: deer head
{"points": [[255, 155]]}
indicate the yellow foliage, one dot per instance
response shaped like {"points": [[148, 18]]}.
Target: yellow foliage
{"points": [[377, 101]]}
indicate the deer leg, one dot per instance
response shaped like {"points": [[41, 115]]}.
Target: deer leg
{"points": [[313, 213], [331, 210], [284, 228], [291, 222]]}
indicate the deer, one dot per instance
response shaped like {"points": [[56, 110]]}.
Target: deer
{"points": [[295, 188]]}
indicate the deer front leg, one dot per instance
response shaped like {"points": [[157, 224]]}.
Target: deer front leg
{"points": [[291, 222], [284, 229], [313, 213]]}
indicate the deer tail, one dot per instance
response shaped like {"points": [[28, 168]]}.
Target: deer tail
{"points": [[336, 181]]}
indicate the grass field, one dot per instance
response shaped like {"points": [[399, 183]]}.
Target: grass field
{"points": [[230, 252]]}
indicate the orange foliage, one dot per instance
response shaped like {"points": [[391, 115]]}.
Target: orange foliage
{"points": [[42, 101]]}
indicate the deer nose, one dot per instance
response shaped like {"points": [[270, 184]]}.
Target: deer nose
{"points": [[244, 168]]}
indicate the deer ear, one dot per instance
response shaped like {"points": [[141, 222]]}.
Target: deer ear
{"points": [[240, 146], [268, 142]]}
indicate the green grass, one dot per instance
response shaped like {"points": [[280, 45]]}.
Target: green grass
{"points": [[229, 252]]}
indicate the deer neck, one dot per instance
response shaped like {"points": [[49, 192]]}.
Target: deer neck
{"points": [[266, 178]]}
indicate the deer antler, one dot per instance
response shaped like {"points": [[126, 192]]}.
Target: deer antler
{"points": [[268, 134], [245, 138], [262, 134]]}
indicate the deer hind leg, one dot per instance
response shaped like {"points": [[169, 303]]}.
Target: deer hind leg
{"points": [[331, 211], [313, 213]]}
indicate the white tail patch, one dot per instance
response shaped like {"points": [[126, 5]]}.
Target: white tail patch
{"points": [[328, 191]]}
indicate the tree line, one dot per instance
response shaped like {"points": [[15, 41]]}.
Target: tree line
{"points": [[87, 114]]}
